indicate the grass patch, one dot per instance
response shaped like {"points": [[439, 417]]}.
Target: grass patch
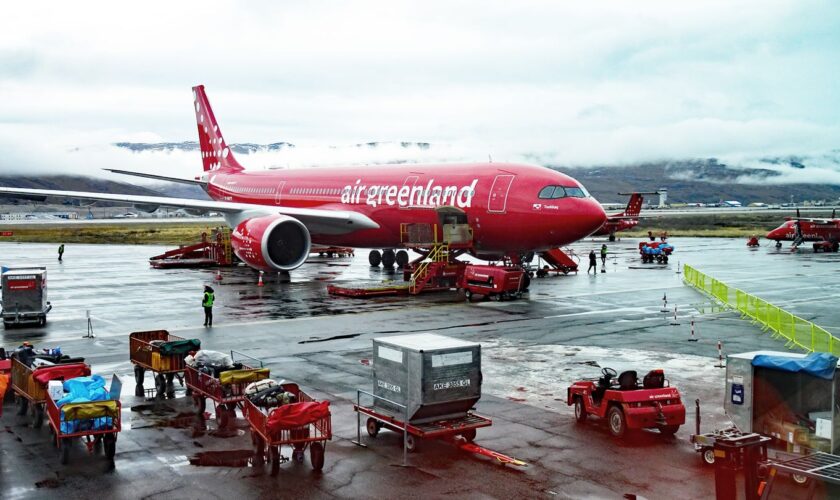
{"points": [[131, 234]]}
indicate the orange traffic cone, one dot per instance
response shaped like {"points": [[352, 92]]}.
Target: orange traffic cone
{"points": [[219, 275], [260, 282]]}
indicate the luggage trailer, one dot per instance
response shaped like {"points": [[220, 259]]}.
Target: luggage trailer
{"points": [[268, 446], [425, 386], [226, 397], [144, 351], [762, 399]]}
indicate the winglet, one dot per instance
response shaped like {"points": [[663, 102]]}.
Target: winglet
{"points": [[215, 152]]}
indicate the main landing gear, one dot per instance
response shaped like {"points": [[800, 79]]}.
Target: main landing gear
{"points": [[388, 258]]}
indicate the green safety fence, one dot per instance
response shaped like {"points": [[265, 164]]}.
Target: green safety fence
{"points": [[797, 331]]}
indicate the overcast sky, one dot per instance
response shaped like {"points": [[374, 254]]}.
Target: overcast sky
{"points": [[576, 83]]}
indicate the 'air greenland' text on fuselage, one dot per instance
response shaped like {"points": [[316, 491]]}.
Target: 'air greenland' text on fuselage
{"points": [[430, 195]]}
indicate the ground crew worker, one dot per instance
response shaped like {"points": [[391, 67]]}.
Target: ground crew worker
{"points": [[604, 258], [207, 304], [60, 251], [593, 262]]}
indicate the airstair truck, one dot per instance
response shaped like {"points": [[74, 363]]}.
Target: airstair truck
{"points": [[24, 299]]}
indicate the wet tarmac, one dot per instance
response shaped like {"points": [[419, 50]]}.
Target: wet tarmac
{"points": [[566, 328]]}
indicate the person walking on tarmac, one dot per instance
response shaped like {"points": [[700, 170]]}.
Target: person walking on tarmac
{"points": [[604, 258], [207, 304], [593, 262], [60, 252]]}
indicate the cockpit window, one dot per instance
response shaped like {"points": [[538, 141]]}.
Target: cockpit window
{"points": [[546, 193], [559, 192], [575, 192]]}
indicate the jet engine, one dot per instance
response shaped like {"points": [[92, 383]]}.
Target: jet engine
{"points": [[271, 243]]}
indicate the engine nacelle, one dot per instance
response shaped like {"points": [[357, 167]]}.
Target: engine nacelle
{"points": [[271, 243]]}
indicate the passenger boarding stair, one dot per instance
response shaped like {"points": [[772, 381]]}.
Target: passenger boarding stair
{"points": [[558, 260]]}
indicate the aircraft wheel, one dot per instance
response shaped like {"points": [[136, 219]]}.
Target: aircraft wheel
{"points": [[612, 237], [617, 422], [580, 410], [374, 258], [468, 294], [778, 244], [402, 258], [389, 258], [835, 246]]}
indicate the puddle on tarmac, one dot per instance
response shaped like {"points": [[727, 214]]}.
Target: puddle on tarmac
{"points": [[227, 458]]}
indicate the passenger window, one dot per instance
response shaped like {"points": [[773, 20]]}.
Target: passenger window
{"points": [[559, 192], [546, 193]]}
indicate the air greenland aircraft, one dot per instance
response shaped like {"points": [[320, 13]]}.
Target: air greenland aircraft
{"points": [[798, 230], [276, 215], [625, 220]]}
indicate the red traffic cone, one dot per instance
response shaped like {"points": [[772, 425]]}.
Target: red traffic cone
{"points": [[260, 282], [219, 275]]}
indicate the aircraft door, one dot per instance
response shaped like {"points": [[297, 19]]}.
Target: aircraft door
{"points": [[497, 203], [279, 193]]}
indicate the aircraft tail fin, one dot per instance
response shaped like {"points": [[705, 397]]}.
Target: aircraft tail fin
{"points": [[634, 206], [215, 152]]}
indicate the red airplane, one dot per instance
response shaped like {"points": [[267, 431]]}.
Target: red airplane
{"points": [[826, 232], [275, 216], [625, 220]]}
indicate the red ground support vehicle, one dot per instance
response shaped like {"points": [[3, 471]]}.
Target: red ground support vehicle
{"points": [[496, 282], [628, 405], [225, 396], [268, 445], [657, 251], [100, 422]]}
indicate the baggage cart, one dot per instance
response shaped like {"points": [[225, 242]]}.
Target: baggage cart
{"points": [[98, 425], [151, 351], [268, 446], [226, 397], [24, 297], [30, 394]]}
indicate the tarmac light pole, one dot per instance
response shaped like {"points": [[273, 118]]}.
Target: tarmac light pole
{"points": [[675, 322], [664, 304], [692, 338]]}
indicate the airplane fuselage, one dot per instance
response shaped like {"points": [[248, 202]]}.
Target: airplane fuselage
{"points": [[811, 231], [500, 201]]}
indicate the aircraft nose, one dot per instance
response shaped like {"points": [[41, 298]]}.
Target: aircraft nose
{"points": [[595, 217]]}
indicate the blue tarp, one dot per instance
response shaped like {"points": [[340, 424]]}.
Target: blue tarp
{"points": [[818, 364]]}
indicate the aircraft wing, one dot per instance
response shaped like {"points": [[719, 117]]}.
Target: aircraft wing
{"points": [[324, 221]]}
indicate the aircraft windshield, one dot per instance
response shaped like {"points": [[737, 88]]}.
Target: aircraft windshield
{"points": [[552, 192], [576, 192]]}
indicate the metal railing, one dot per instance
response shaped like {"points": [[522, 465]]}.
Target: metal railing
{"points": [[358, 441], [796, 331]]}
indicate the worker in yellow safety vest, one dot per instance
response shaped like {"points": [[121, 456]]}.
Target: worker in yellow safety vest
{"points": [[207, 304]]}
